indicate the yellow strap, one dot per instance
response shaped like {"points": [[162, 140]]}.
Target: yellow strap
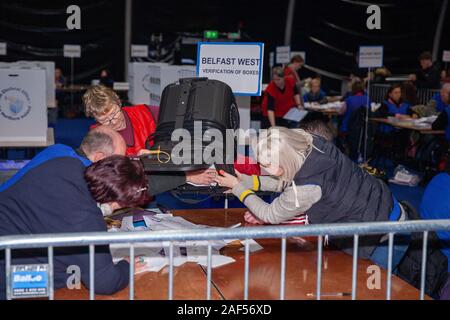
{"points": [[245, 194], [255, 183]]}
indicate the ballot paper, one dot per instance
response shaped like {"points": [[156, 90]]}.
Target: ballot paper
{"points": [[156, 254], [330, 105], [295, 114], [253, 246]]}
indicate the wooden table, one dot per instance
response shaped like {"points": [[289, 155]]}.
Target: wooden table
{"points": [[406, 125], [264, 280]]}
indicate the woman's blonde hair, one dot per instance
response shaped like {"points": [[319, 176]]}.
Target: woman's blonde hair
{"points": [[99, 100], [286, 148]]}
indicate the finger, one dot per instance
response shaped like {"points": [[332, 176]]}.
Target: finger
{"points": [[225, 174]]}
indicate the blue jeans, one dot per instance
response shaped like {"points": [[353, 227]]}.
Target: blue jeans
{"points": [[380, 255]]}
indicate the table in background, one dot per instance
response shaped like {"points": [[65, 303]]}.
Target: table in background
{"points": [[406, 125], [264, 279]]}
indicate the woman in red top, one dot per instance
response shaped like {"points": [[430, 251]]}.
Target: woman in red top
{"points": [[134, 123], [292, 68], [280, 96]]}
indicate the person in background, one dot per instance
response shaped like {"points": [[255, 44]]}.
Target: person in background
{"points": [[60, 80], [59, 200], [351, 126], [356, 100], [380, 75], [429, 75], [134, 123], [409, 93], [106, 78], [443, 121], [442, 98], [280, 96], [445, 76], [316, 94], [318, 124], [393, 105], [436, 205], [291, 70]]}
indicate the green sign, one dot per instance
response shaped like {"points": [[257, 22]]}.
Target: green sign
{"points": [[211, 34]]}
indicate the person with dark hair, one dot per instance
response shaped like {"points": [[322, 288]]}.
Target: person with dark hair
{"points": [[318, 124], [351, 131], [106, 78], [58, 200], [436, 205], [443, 121], [393, 105], [280, 96], [116, 182], [291, 70], [356, 100], [409, 93], [429, 75]]}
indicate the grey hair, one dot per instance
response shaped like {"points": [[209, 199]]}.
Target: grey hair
{"points": [[278, 71], [97, 141]]}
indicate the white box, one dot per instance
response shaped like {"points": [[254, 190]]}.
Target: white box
{"points": [[163, 75], [138, 78], [23, 109], [50, 78]]}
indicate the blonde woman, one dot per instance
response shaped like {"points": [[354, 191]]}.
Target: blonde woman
{"points": [[316, 178]]}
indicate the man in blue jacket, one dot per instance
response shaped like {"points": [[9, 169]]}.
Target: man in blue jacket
{"points": [[436, 205], [442, 98], [50, 195]]}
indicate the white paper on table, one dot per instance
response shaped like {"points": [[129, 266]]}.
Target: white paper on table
{"points": [[197, 251], [150, 252], [252, 244], [217, 261], [168, 223], [295, 114], [178, 259]]}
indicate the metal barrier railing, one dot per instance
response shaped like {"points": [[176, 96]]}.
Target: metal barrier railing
{"points": [[378, 93], [51, 241]]}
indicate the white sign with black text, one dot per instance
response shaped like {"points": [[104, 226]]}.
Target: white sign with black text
{"points": [[370, 56], [238, 64], [139, 51], [446, 56], [2, 48], [72, 51], [283, 54]]}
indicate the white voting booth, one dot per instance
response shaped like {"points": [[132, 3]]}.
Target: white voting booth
{"points": [[138, 78], [48, 66], [23, 104], [147, 80], [163, 75]]}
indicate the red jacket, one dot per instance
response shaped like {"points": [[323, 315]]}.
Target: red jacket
{"points": [[140, 125], [283, 100]]}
